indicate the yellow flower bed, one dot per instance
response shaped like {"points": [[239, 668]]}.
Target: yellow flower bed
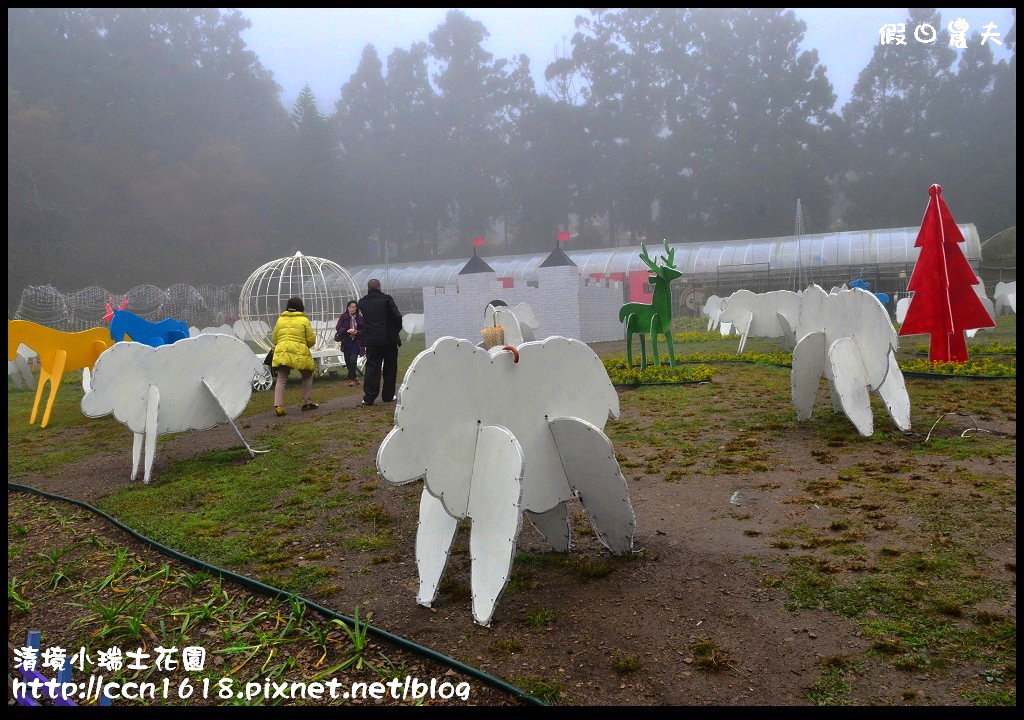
{"points": [[696, 336], [620, 374], [989, 348], [782, 359], [686, 371], [983, 366]]}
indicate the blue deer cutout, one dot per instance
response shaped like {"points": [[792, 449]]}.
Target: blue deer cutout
{"points": [[125, 325]]}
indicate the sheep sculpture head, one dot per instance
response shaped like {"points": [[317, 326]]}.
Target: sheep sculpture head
{"points": [[521, 431]]}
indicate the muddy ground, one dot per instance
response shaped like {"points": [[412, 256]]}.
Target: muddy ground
{"points": [[750, 529]]}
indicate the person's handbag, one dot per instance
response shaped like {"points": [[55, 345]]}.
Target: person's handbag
{"points": [[269, 359]]}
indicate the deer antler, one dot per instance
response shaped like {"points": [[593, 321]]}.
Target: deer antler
{"points": [[670, 258], [124, 302], [645, 256]]}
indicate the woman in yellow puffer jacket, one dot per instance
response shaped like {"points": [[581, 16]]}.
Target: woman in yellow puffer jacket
{"points": [[293, 336]]}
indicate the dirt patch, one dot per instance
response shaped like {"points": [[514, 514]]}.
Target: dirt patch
{"points": [[734, 502], [70, 563]]}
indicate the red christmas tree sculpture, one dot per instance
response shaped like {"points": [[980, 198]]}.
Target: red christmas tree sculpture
{"points": [[944, 304]]}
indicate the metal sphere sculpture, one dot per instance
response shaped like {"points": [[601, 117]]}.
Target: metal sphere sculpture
{"points": [[324, 286]]}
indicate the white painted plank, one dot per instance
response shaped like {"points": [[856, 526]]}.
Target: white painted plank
{"points": [[594, 475]]}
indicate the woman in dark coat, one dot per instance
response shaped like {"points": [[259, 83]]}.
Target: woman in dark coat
{"points": [[349, 334]]}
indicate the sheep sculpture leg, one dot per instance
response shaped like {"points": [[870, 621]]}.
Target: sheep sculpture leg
{"points": [[893, 391], [152, 412], [593, 473], [553, 525], [137, 439], [496, 512], [743, 326], [434, 538], [847, 376], [808, 367], [22, 375], [495, 507]]}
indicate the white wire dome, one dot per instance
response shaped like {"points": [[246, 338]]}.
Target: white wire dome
{"points": [[324, 286]]}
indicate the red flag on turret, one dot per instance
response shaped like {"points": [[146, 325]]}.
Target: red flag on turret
{"points": [[563, 236], [478, 242], [944, 303]]}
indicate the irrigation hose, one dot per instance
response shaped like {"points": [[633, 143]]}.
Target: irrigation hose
{"points": [[261, 588], [943, 376]]}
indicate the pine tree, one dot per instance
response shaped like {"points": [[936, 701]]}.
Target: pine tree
{"points": [[944, 304]]}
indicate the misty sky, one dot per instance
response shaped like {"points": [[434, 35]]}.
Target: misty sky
{"points": [[322, 47]]}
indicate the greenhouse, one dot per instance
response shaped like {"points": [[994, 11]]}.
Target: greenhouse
{"points": [[884, 258]]}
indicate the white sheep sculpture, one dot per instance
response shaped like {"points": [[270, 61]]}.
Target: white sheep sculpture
{"points": [[193, 384], [522, 432], [758, 314], [847, 337]]}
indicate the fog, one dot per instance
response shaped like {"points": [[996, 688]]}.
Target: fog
{"points": [[163, 146]]}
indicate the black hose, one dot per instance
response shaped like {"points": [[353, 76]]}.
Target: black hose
{"points": [[944, 376], [259, 587], [646, 384]]}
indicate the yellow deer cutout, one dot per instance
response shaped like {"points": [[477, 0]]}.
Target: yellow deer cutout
{"points": [[59, 352]]}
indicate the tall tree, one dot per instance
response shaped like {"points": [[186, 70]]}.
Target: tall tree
{"points": [[312, 182], [137, 110], [365, 134], [616, 53], [474, 93], [413, 155], [755, 124], [976, 121], [895, 147]]}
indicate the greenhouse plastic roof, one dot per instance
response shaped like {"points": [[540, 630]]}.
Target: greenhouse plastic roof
{"points": [[893, 246]]}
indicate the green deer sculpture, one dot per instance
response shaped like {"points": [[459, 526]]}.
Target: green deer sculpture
{"points": [[656, 318]]}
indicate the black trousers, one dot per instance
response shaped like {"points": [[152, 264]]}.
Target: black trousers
{"points": [[377, 356], [351, 357]]}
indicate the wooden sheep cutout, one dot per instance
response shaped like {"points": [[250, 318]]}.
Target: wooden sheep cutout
{"points": [[854, 346], [193, 384], [1006, 298], [656, 318], [713, 309], [768, 315], [59, 352], [519, 321], [522, 434], [412, 324], [18, 370]]}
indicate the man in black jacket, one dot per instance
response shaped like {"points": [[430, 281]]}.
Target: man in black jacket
{"points": [[381, 326]]}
